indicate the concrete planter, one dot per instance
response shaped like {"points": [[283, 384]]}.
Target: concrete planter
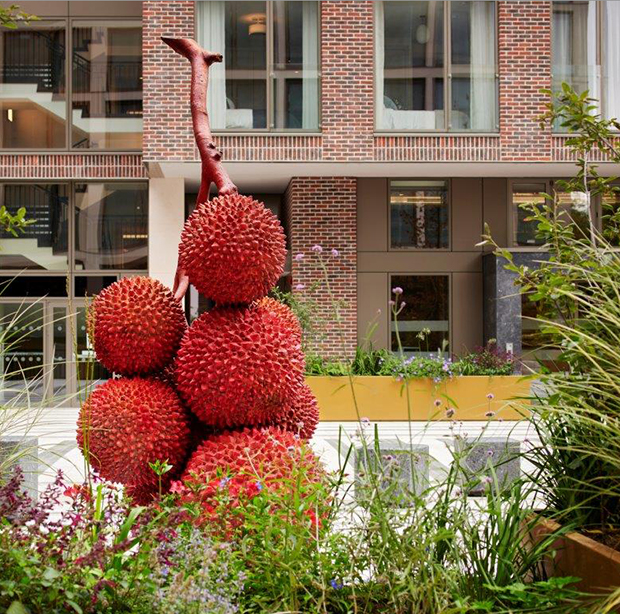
{"points": [[597, 565], [384, 398]]}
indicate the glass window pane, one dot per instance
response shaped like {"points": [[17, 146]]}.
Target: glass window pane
{"points": [[33, 286], [473, 68], [296, 65], [33, 104], [574, 47], [43, 245], [524, 231], [88, 370], [111, 226], [107, 86], [424, 323], [410, 65], [59, 352], [419, 215], [21, 364], [91, 286], [609, 225], [611, 59]]}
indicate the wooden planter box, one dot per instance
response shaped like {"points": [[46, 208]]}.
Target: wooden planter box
{"points": [[384, 398], [597, 565]]}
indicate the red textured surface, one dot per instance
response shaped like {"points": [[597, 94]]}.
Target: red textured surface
{"points": [[237, 365], [300, 416], [269, 455], [138, 326], [129, 423], [284, 312], [233, 249]]}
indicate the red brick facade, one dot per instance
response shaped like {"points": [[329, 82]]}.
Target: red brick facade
{"points": [[524, 69], [168, 131], [322, 211]]}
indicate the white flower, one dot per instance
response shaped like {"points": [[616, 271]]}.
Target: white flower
{"points": [[580, 201]]}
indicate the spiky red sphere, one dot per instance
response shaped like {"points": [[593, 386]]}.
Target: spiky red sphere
{"points": [[233, 249], [268, 455], [125, 424], [284, 312], [237, 365], [137, 326], [300, 416]]}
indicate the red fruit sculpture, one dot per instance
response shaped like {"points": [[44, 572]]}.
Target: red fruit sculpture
{"points": [[284, 312], [233, 249], [125, 424], [268, 455], [300, 416], [238, 365], [137, 326]]}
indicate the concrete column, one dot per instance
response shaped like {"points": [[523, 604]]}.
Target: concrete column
{"points": [[166, 218]]}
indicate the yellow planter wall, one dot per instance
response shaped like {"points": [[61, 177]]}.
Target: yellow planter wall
{"points": [[383, 398]]}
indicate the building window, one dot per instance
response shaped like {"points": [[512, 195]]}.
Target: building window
{"points": [[105, 105], [424, 324], [111, 226], [86, 236], [523, 229], [419, 215], [33, 89], [586, 51], [269, 78], [426, 80], [106, 95]]}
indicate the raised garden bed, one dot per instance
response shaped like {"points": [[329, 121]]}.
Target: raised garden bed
{"points": [[385, 398]]}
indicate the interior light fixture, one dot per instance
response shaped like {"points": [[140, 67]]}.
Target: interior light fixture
{"points": [[9, 114], [257, 23], [421, 32]]}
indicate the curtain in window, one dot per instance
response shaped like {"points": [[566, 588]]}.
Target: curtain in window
{"points": [[379, 63], [561, 48], [310, 58], [611, 59], [211, 34], [483, 107]]}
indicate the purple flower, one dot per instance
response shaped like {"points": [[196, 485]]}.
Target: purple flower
{"points": [[391, 303], [335, 253], [490, 414], [450, 412], [299, 257], [437, 402], [490, 396], [336, 585], [397, 290], [300, 287], [317, 248]]}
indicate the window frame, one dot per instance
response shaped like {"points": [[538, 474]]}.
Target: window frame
{"points": [[270, 80], [448, 182], [72, 272], [388, 310], [447, 77], [68, 25], [601, 31]]}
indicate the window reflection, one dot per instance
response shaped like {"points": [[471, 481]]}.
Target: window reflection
{"points": [[44, 244], [107, 85], [424, 323], [33, 105], [419, 214], [111, 226], [524, 230], [21, 366]]}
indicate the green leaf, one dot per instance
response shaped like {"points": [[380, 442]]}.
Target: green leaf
{"points": [[17, 608]]}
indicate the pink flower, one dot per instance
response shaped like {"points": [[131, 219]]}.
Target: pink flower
{"points": [[490, 396], [299, 257], [300, 287], [178, 488], [391, 303], [437, 402], [317, 248], [335, 253], [450, 412], [397, 290]]}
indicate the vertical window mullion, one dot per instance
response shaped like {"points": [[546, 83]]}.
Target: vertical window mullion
{"points": [[269, 50], [69, 83], [447, 14]]}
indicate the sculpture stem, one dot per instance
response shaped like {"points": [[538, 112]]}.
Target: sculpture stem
{"points": [[213, 170]]}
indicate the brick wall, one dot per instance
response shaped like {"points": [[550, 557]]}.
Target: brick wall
{"points": [[347, 65], [71, 166], [322, 211], [166, 80], [524, 69]]}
